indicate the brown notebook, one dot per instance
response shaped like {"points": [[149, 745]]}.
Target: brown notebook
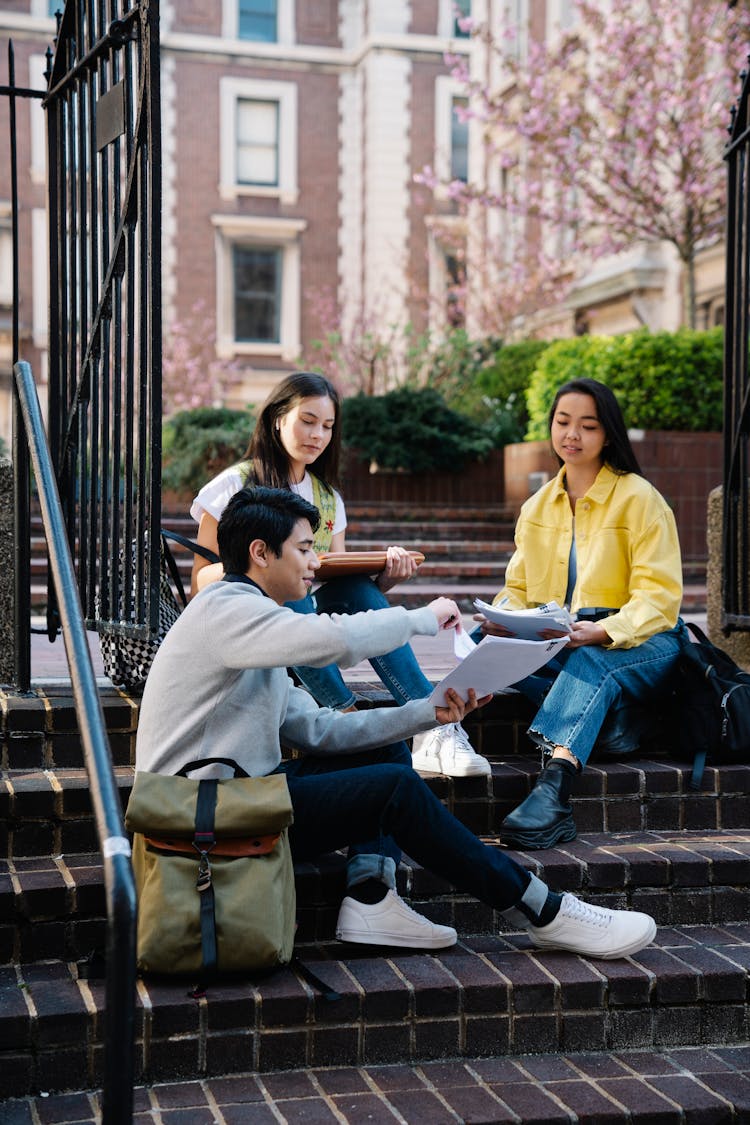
{"points": [[334, 564]]}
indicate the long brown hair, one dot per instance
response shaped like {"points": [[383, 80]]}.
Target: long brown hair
{"points": [[270, 460]]}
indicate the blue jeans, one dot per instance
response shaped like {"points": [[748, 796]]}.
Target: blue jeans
{"points": [[398, 670], [374, 803], [577, 689]]}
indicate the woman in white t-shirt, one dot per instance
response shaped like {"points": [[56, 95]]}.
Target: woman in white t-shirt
{"points": [[295, 444]]}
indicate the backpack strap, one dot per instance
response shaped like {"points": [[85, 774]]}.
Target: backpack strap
{"points": [[697, 632], [203, 841], [699, 765], [196, 548]]}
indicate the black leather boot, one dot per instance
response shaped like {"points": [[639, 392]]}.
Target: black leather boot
{"points": [[545, 818]]}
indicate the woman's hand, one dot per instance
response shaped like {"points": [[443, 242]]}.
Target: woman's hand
{"points": [[399, 565], [588, 633], [455, 709], [490, 629]]}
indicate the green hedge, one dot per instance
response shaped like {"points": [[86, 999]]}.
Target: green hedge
{"points": [[411, 429], [197, 444], [662, 380]]}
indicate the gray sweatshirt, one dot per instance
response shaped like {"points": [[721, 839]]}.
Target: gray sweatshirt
{"points": [[219, 688]]}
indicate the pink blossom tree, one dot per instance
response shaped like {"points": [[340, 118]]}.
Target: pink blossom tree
{"points": [[192, 373], [612, 131]]}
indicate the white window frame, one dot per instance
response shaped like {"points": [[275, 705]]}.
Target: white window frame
{"points": [[233, 90], [230, 23], [446, 89], [37, 123], [266, 233], [446, 16], [561, 17], [6, 254], [39, 9]]}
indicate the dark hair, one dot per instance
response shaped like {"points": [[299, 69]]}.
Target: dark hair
{"points": [[270, 460], [618, 452], [260, 513]]}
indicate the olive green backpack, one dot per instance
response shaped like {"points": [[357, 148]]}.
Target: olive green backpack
{"points": [[213, 871]]}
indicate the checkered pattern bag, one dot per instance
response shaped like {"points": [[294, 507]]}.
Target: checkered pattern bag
{"points": [[127, 660]]}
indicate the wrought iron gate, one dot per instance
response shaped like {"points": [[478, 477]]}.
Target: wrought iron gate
{"points": [[104, 154], [736, 533]]}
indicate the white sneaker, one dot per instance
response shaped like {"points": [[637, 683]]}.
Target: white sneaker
{"points": [[390, 922], [595, 931], [447, 750]]}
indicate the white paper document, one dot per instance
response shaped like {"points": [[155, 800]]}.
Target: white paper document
{"points": [[527, 623], [494, 664]]}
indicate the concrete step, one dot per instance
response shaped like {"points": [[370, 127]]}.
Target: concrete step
{"points": [[704, 1085]]}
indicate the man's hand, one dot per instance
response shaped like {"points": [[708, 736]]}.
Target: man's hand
{"points": [[447, 612], [455, 709]]}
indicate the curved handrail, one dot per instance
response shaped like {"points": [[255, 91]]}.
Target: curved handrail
{"points": [[119, 883]]}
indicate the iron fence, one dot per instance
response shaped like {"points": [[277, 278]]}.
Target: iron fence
{"points": [[735, 578], [104, 167]]}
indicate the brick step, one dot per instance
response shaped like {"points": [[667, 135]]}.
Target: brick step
{"points": [[417, 592], [394, 531], [53, 906], [48, 812], [487, 997], [703, 1085]]}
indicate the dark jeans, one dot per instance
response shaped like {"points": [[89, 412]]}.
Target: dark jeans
{"points": [[375, 804]]}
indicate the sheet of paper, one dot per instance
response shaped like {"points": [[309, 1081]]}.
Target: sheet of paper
{"points": [[494, 664], [527, 623]]}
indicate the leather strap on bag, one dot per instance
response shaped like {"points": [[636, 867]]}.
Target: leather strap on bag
{"points": [[203, 842]]}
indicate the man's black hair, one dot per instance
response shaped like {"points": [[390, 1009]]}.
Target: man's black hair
{"points": [[260, 513]]}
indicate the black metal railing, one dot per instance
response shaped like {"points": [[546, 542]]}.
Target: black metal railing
{"points": [[736, 531], [21, 521], [119, 1017], [104, 167]]}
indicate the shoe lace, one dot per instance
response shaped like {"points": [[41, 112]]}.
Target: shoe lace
{"points": [[581, 911], [456, 734]]}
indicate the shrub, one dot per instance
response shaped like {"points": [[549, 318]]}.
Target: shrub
{"points": [[662, 380], [502, 385], [412, 429], [198, 444]]}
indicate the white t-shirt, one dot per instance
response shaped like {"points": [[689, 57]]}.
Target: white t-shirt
{"points": [[214, 496]]}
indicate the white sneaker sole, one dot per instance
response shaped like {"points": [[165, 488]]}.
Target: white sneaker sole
{"points": [[368, 937], [633, 946], [432, 767]]}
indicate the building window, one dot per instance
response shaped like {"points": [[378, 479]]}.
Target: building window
{"points": [[461, 9], [459, 139], [259, 21], [258, 138], [258, 285], [257, 142], [256, 20], [451, 131], [257, 294]]}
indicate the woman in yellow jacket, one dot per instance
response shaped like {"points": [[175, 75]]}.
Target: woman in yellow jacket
{"points": [[600, 539]]}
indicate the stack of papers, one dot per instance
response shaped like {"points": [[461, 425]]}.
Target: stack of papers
{"points": [[527, 624], [494, 664]]}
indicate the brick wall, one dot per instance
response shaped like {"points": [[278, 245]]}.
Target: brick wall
{"points": [[480, 483]]}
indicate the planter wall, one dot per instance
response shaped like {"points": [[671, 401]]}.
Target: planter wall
{"points": [[479, 483], [684, 467]]}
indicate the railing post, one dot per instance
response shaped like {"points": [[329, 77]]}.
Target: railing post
{"points": [[21, 475]]}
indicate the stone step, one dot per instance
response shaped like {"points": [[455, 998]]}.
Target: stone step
{"points": [[704, 1085], [487, 997]]}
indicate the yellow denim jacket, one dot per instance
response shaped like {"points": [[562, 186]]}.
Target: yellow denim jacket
{"points": [[628, 555]]}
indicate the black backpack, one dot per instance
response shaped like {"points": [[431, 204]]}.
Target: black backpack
{"points": [[713, 705]]}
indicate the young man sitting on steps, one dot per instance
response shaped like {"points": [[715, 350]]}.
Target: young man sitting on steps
{"points": [[219, 688]]}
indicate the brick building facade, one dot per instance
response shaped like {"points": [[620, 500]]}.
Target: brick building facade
{"points": [[291, 135]]}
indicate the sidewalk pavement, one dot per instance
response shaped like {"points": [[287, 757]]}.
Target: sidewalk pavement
{"points": [[435, 655]]}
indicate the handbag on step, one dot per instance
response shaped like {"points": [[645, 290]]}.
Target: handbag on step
{"points": [[213, 871], [127, 660]]}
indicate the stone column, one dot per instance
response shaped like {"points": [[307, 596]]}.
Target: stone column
{"points": [[736, 644]]}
